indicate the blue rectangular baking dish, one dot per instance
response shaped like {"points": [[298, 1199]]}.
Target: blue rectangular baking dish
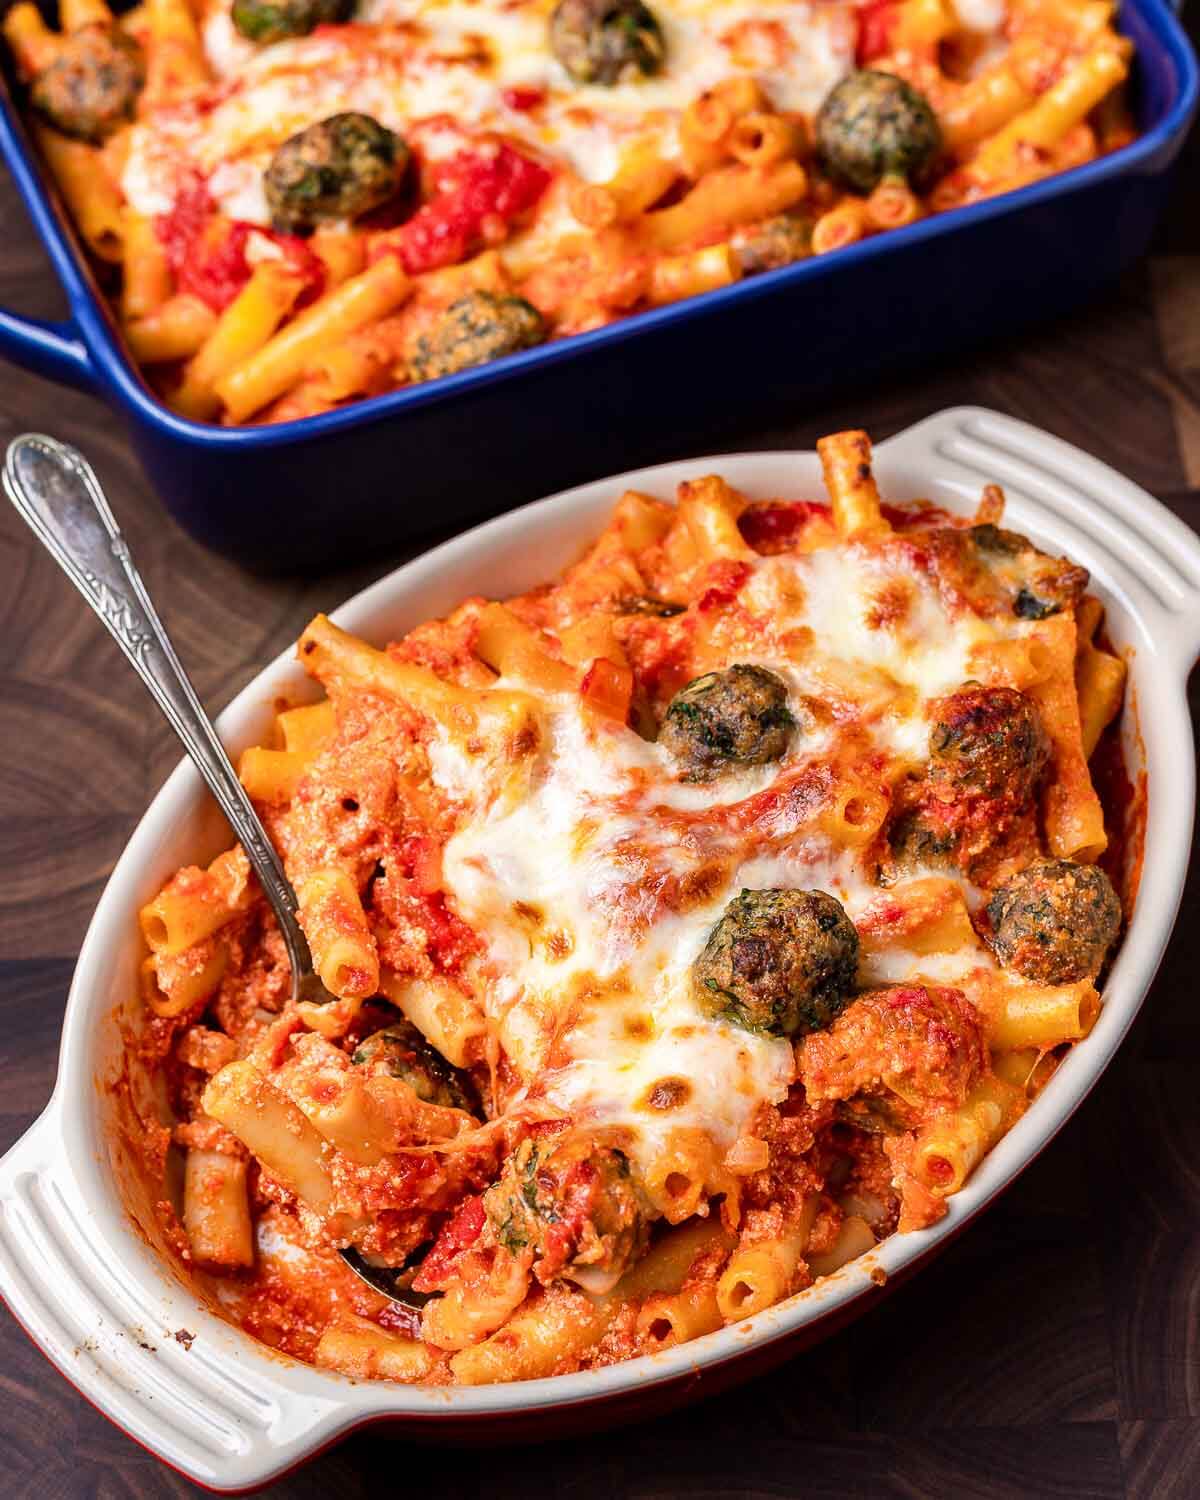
{"points": [[303, 494]]}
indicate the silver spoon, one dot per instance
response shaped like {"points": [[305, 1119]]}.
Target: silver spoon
{"points": [[57, 493]]}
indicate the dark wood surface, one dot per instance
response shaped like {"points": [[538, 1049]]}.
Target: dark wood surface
{"points": [[1053, 1351]]}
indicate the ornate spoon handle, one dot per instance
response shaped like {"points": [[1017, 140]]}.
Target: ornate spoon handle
{"points": [[57, 493]]}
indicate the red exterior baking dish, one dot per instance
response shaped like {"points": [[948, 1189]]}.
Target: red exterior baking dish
{"points": [[81, 1261]]}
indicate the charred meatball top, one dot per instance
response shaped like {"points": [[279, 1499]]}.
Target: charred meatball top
{"points": [[874, 125], [337, 168], [737, 717], [400, 1051], [1055, 921], [987, 742], [91, 88], [606, 41], [476, 328], [779, 962]]}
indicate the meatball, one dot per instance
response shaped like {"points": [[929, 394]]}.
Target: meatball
{"points": [[987, 742], [913, 839], [478, 327], [995, 541], [400, 1051], [897, 1052], [273, 20], [735, 717], [774, 243], [778, 962], [873, 125], [606, 41], [1041, 585], [573, 1203], [1055, 921], [987, 752], [648, 604], [338, 168], [92, 86]]}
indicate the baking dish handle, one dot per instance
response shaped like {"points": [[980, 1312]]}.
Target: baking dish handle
{"points": [[120, 1347], [1129, 540], [134, 1342], [53, 350]]}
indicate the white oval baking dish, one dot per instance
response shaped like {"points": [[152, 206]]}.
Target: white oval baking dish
{"points": [[88, 1287]]}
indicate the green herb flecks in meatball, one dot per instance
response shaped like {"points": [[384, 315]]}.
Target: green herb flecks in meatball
{"points": [[1041, 585], [478, 327], [873, 125], [913, 840], [987, 742], [1027, 606], [606, 41], [737, 717], [274, 20], [995, 541], [91, 88], [775, 243], [575, 1205], [338, 168], [1055, 921], [987, 753], [782, 963], [400, 1051], [648, 604]]}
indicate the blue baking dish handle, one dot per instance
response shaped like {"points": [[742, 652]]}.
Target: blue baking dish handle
{"points": [[53, 350], [41, 345]]}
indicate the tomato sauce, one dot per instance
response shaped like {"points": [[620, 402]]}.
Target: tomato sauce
{"points": [[207, 253], [774, 526], [451, 941], [1124, 801], [725, 580], [608, 688], [459, 1232], [918, 514], [523, 99], [476, 195], [876, 25]]}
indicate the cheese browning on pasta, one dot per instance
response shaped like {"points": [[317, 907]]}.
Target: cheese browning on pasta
{"points": [[622, 1052], [573, 163]]}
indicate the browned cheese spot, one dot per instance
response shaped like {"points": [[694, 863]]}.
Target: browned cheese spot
{"points": [[667, 1094]]}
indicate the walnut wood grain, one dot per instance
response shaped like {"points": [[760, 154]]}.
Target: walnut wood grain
{"points": [[1052, 1351]]}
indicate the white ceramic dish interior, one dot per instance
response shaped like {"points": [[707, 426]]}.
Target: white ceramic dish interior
{"points": [[102, 1303]]}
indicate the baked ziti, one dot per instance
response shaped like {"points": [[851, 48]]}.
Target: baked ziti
{"points": [[695, 922], [305, 202]]}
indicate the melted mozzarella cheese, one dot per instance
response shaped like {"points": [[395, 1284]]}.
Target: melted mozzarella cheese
{"points": [[981, 15], [460, 59], [879, 632], [567, 856], [589, 958]]}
